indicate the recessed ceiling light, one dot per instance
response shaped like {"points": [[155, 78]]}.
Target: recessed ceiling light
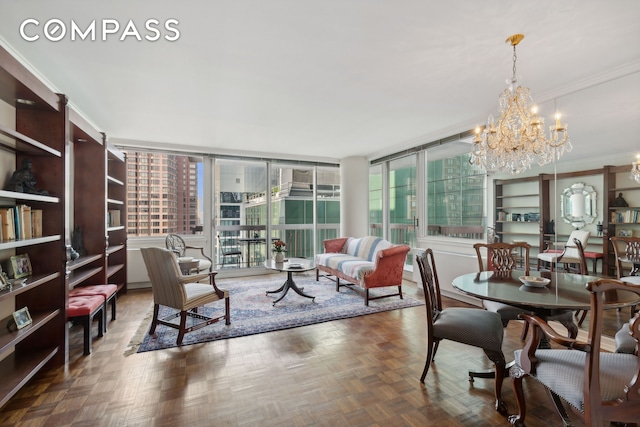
{"points": [[25, 101]]}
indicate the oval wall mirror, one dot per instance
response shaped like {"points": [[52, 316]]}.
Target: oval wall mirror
{"points": [[578, 205]]}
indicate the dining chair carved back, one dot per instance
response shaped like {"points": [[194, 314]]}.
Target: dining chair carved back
{"points": [[471, 326], [598, 386], [627, 251], [502, 259]]}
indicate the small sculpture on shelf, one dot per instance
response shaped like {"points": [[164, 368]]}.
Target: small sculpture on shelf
{"points": [[599, 228], [24, 181], [620, 202], [76, 242], [551, 227]]}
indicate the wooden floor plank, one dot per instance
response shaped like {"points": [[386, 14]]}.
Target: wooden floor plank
{"points": [[362, 371]]}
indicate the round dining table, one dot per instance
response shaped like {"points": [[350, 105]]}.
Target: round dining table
{"points": [[564, 291]]}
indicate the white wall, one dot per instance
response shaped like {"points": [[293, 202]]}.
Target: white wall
{"points": [[453, 257], [354, 196]]}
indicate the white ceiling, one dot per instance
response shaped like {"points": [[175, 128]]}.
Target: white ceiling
{"points": [[328, 79]]}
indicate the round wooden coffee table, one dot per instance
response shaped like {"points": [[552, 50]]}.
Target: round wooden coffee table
{"points": [[292, 265]]}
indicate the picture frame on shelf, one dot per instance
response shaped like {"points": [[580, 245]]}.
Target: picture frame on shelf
{"points": [[4, 280], [21, 266], [625, 232], [22, 317]]}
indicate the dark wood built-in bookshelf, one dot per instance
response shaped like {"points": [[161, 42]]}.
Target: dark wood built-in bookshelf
{"points": [[84, 176]]}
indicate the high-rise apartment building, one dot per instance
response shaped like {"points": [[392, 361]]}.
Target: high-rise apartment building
{"points": [[162, 194]]}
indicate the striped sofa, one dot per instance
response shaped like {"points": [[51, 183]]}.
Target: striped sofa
{"points": [[368, 262]]}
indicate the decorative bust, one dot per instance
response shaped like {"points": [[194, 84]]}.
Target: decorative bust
{"points": [[24, 181], [620, 202]]}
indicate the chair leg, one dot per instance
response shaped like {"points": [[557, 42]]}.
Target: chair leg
{"points": [[430, 354], [517, 374], [581, 315], [525, 331], [183, 324], [571, 327], [227, 311], [497, 357], [154, 322]]}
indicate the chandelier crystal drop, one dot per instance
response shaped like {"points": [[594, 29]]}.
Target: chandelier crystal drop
{"points": [[635, 170], [517, 138]]}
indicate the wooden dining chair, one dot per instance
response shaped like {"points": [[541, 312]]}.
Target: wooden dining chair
{"points": [[630, 256], [471, 326], [598, 386], [502, 259]]}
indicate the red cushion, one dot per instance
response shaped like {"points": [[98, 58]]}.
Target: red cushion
{"points": [[595, 255], [83, 305], [104, 290]]}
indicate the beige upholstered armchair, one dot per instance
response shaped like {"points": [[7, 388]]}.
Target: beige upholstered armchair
{"points": [[183, 293], [598, 386]]}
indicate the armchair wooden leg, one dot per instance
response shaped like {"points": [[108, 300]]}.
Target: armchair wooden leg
{"points": [[183, 323], [227, 309], [154, 322], [517, 374]]}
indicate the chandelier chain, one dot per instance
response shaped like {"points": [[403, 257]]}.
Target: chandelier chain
{"points": [[515, 58]]}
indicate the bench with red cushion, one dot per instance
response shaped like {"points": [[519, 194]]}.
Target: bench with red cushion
{"points": [[108, 292], [84, 308]]}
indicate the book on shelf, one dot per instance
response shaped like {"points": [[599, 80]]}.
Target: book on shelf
{"points": [[20, 222], [113, 218], [25, 219], [628, 216], [8, 225], [36, 222]]}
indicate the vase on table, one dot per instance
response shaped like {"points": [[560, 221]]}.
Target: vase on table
{"points": [[279, 257]]}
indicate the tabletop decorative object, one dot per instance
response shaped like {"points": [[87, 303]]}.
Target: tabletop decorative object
{"points": [[279, 249]]}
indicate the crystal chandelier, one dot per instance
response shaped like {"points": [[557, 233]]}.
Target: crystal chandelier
{"points": [[635, 170], [517, 138]]}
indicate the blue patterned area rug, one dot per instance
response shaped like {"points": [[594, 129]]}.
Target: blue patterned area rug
{"points": [[252, 310]]}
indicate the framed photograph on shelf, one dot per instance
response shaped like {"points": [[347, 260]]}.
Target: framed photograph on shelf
{"points": [[625, 232], [21, 266], [22, 317]]}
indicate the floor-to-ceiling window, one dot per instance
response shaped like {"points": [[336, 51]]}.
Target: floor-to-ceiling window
{"points": [[402, 201], [240, 212], [253, 202], [393, 201], [434, 191]]}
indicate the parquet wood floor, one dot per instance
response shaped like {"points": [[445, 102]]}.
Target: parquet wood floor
{"points": [[355, 372]]}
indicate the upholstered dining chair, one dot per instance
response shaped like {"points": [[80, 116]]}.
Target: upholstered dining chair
{"points": [[502, 259], [471, 326], [598, 386], [183, 293], [175, 243], [569, 254]]}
